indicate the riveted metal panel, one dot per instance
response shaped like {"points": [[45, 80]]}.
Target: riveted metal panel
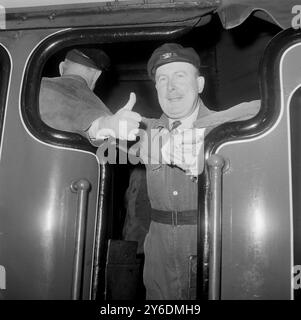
{"points": [[37, 207], [257, 228]]}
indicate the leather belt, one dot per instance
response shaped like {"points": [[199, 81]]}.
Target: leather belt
{"points": [[187, 217]]}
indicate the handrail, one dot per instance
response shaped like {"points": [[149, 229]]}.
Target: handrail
{"points": [[215, 164], [100, 236], [82, 188]]}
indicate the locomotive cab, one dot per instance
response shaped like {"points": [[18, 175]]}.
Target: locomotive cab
{"points": [[63, 213]]}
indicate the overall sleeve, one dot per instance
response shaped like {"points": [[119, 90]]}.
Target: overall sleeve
{"points": [[69, 106], [242, 111]]}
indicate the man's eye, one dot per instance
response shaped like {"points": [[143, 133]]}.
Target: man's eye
{"points": [[162, 79], [180, 75]]}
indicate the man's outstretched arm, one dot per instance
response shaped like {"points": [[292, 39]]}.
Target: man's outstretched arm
{"points": [[240, 112]]}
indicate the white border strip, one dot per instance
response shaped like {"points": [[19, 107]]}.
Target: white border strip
{"points": [[2, 17]]}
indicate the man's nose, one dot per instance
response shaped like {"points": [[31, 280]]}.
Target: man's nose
{"points": [[171, 84]]}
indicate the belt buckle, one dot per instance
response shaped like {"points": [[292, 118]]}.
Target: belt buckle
{"points": [[174, 217]]}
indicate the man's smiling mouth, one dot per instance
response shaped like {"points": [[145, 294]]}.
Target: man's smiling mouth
{"points": [[174, 99]]}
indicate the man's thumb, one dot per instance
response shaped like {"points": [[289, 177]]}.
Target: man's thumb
{"points": [[131, 102]]}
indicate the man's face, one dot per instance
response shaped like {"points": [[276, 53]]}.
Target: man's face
{"points": [[178, 86]]}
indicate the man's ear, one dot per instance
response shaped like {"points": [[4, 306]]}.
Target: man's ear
{"points": [[94, 76], [61, 67], [97, 74], [201, 83]]}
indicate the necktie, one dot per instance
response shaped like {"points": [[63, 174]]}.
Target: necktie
{"points": [[175, 125]]}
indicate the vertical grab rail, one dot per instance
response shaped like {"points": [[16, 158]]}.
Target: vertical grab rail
{"points": [[100, 232], [82, 188], [215, 164]]}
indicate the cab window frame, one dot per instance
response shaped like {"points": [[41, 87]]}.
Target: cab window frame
{"points": [[5, 71], [62, 40]]}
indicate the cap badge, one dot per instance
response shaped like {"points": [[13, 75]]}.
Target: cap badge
{"points": [[168, 55], [81, 53]]}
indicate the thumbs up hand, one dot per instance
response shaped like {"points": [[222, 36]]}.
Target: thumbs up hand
{"points": [[131, 102], [125, 121], [123, 124]]}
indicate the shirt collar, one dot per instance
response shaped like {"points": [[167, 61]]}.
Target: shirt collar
{"points": [[75, 77], [187, 122], [200, 111]]}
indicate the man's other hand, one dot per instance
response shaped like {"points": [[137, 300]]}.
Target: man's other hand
{"points": [[185, 150]]}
